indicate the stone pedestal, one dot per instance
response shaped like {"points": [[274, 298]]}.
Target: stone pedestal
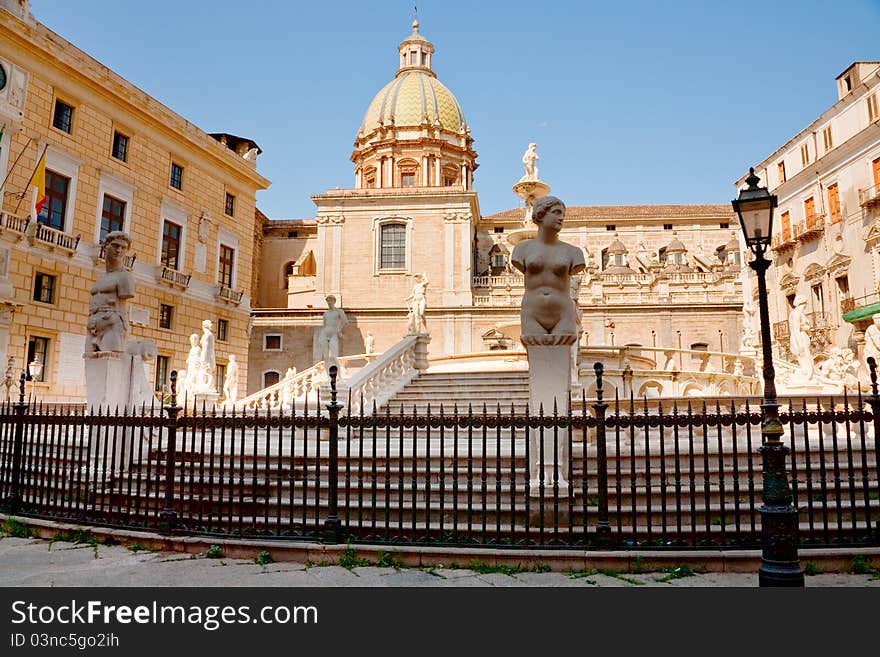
{"points": [[108, 375], [421, 351], [530, 191], [550, 363], [206, 400]]}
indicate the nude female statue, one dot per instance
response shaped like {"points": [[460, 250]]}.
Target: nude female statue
{"points": [[107, 325], [548, 264]]}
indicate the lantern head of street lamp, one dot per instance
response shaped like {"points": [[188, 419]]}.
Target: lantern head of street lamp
{"points": [[754, 207]]}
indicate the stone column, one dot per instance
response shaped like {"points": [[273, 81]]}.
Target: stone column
{"points": [[550, 363]]}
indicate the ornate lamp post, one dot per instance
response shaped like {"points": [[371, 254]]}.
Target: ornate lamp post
{"points": [[779, 557]]}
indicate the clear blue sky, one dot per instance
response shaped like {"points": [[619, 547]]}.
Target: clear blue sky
{"points": [[632, 102]]}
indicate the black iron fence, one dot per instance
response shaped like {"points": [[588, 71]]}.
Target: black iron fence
{"points": [[604, 473]]}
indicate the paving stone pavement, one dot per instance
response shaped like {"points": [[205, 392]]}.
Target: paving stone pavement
{"points": [[35, 562]]}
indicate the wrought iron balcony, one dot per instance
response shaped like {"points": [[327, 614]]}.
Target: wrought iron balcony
{"points": [[780, 331], [225, 293], [173, 277], [870, 198], [52, 238]]}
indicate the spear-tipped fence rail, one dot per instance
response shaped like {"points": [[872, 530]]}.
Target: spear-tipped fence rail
{"points": [[660, 473]]}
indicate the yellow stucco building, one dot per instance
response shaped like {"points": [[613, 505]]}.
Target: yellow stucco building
{"points": [[116, 159]]}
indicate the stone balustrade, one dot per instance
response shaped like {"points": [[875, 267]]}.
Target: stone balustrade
{"points": [[283, 395], [53, 238], [379, 381], [13, 223]]}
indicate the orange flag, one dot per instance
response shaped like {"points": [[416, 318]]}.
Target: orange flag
{"points": [[38, 180]]}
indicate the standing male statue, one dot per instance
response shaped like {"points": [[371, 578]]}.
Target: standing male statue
{"points": [[107, 324], [416, 322], [529, 158], [230, 383], [328, 336]]}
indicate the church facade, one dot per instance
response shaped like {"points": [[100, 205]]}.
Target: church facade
{"points": [[658, 277]]}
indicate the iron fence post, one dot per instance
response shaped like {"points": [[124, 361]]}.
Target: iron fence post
{"points": [[168, 516], [332, 525], [13, 501], [603, 528], [874, 401]]}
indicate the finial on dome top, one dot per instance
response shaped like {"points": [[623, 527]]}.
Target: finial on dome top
{"points": [[415, 26]]}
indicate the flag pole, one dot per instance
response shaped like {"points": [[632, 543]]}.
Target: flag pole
{"points": [[21, 198], [12, 168]]}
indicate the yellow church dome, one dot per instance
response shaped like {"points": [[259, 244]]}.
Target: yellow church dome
{"points": [[415, 97]]}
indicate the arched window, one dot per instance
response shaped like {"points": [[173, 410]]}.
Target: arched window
{"points": [[270, 378], [392, 246]]}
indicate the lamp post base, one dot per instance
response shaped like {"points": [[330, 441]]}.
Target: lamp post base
{"points": [[779, 521]]}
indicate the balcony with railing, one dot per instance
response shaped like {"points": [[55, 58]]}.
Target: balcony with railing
{"points": [[782, 241], [857, 308], [14, 224], [172, 277], [227, 294], [821, 329], [127, 261], [870, 198], [52, 238], [810, 229]]}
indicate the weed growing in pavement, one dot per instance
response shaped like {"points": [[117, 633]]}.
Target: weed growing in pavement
{"points": [[15, 529], [676, 572], [349, 560], [389, 560], [861, 565], [263, 558]]}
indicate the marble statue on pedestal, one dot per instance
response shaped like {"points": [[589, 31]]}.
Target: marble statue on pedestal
{"points": [[416, 317], [799, 339], [549, 327], [230, 383], [529, 158], [328, 335], [114, 367]]}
